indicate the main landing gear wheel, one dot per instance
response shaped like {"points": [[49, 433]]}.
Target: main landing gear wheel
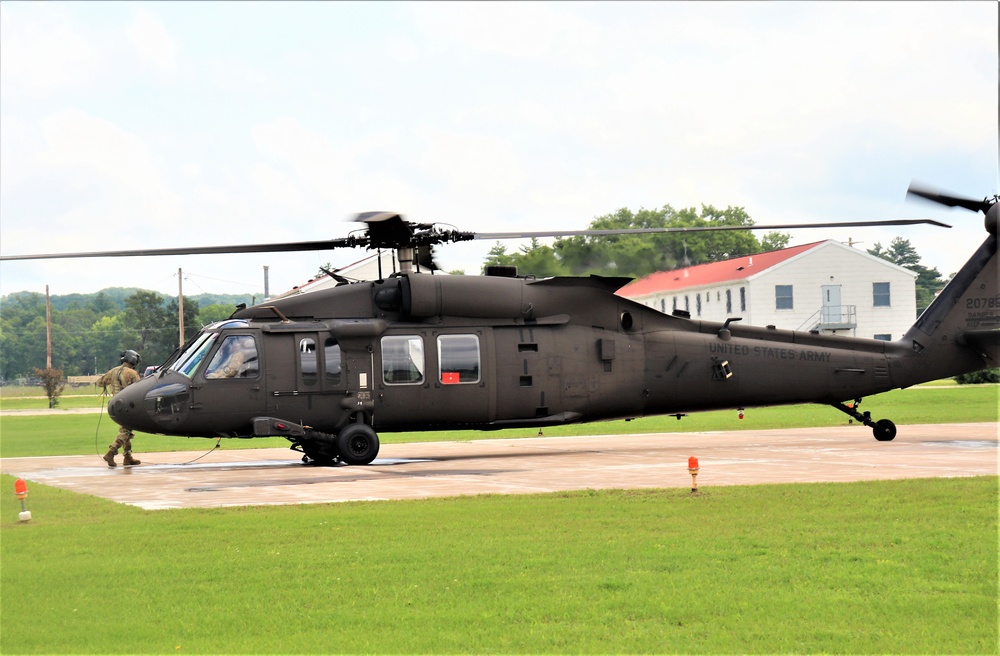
{"points": [[357, 444], [884, 430]]}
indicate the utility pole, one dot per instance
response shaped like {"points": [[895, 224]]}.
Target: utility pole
{"points": [[48, 330], [180, 304]]}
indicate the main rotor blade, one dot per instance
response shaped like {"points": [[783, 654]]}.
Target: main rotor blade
{"points": [[649, 231], [204, 250], [948, 200]]}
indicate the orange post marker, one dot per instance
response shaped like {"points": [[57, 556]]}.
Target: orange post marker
{"points": [[21, 490], [693, 470]]}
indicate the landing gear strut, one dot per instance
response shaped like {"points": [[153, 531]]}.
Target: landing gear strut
{"points": [[883, 429], [355, 444]]}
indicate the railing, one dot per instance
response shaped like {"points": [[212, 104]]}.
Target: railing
{"points": [[832, 317]]}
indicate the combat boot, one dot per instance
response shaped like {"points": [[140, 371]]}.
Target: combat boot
{"points": [[109, 457], [129, 460]]}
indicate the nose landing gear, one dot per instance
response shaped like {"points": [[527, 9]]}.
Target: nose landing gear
{"points": [[883, 429]]}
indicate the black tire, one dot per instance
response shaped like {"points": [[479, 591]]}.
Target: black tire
{"points": [[358, 444], [884, 430]]}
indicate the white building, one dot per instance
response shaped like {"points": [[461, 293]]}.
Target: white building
{"points": [[825, 286]]}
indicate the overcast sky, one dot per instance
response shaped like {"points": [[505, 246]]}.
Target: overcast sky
{"points": [[137, 125]]}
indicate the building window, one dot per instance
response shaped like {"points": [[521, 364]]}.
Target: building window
{"points": [[687, 303], [729, 301], [743, 299], [884, 337], [880, 294], [697, 303], [663, 305], [675, 304], [783, 297]]}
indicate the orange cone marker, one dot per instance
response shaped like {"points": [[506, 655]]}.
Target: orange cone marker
{"points": [[693, 469], [21, 490]]}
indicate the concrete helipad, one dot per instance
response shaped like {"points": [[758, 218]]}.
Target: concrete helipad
{"points": [[524, 466]]}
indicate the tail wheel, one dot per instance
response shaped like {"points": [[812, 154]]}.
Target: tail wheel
{"points": [[884, 430], [357, 444]]}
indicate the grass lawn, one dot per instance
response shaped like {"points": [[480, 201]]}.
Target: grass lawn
{"points": [[888, 567], [877, 567]]}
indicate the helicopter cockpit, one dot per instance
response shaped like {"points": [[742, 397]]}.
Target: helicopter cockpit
{"points": [[222, 350]]}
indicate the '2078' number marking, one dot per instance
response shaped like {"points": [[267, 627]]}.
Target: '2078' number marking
{"points": [[981, 303]]}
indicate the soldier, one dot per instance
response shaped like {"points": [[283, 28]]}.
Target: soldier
{"points": [[118, 379]]}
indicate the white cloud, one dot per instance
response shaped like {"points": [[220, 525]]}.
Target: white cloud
{"points": [[43, 55], [152, 40]]}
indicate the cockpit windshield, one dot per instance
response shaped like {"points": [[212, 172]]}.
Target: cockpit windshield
{"points": [[188, 361]]}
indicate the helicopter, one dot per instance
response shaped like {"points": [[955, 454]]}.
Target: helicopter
{"points": [[414, 351]]}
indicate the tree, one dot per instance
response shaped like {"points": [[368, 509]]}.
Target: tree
{"points": [[902, 252], [110, 336], [538, 260], [155, 326], [640, 255], [214, 312], [53, 383], [979, 377], [498, 256], [191, 325]]}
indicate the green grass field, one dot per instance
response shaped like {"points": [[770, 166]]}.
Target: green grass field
{"points": [[890, 567], [886, 567]]}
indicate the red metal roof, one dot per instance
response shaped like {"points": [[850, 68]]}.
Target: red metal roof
{"points": [[712, 273]]}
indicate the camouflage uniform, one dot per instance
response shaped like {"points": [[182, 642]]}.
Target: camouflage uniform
{"points": [[116, 380]]}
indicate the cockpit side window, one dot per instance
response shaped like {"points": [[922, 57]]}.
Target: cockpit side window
{"points": [[236, 358]]}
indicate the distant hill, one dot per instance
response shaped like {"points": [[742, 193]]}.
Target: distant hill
{"points": [[113, 298]]}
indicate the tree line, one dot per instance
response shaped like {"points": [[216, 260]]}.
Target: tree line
{"points": [[639, 255], [89, 332]]}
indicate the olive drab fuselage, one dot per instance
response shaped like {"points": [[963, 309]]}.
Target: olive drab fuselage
{"points": [[427, 352]]}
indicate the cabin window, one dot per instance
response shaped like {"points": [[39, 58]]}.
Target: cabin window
{"points": [[458, 359], [880, 294], [884, 336], [236, 358], [331, 357], [307, 361], [783, 297], [403, 360]]}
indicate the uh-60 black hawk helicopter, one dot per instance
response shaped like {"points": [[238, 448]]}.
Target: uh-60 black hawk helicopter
{"points": [[414, 351]]}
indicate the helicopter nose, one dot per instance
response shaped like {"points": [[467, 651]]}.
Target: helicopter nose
{"points": [[152, 405], [125, 407]]}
